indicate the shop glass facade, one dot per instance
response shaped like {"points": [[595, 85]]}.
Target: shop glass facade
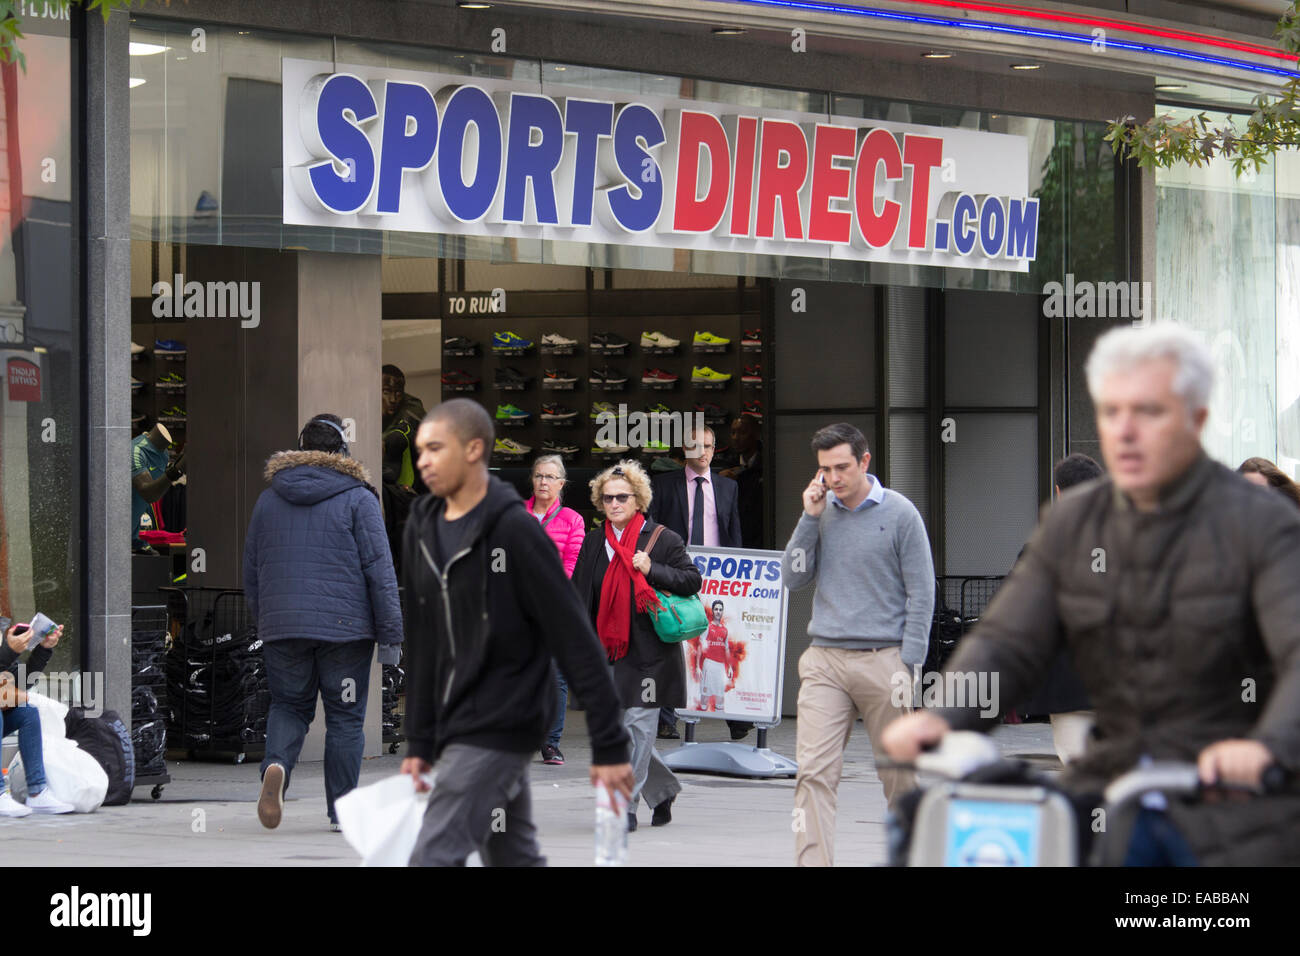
{"points": [[41, 470]]}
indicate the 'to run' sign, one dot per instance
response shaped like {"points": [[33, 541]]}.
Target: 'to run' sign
{"points": [[379, 148]]}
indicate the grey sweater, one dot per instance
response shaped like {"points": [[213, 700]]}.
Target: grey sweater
{"points": [[874, 575]]}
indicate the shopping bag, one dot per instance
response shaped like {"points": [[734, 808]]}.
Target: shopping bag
{"points": [[72, 774], [381, 821]]}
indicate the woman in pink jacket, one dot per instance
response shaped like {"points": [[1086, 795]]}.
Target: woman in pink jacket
{"points": [[565, 527]]}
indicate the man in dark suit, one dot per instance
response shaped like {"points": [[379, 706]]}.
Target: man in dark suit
{"points": [[702, 507]]}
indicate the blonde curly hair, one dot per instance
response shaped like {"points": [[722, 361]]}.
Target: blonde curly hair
{"points": [[630, 472]]}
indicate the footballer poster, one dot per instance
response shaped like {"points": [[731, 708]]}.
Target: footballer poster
{"points": [[734, 670]]}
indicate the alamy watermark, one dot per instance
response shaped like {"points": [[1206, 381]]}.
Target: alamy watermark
{"points": [[957, 689], [208, 300], [1098, 300], [639, 429], [76, 688]]}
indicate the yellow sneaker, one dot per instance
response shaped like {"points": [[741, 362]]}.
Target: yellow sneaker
{"points": [[707, 374], [708, 338]]}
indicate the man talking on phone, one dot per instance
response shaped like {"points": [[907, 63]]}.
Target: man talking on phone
{"points": [[869, 555]]}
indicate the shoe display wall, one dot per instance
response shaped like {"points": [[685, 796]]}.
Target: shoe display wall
{"points": [[158, 379], [651, 364]]}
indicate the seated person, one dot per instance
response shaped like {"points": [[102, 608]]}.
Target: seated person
{"points": [[16, 716]]}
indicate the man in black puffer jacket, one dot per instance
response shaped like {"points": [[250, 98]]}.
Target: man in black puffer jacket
{"points": [[488, 607]]}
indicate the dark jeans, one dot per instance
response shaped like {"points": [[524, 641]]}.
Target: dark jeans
{"points": [[27, 721], [296, 670], [557, 730], [1157, 842], [480, 801]]}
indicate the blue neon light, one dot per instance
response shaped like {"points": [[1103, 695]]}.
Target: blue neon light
{"points": [[1018, 31]]}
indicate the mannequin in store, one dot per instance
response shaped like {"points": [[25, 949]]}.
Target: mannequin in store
{"points": [[151, 476], [403, 413]]}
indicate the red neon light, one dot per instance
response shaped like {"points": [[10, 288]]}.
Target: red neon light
{"points": [[1121, 25]]}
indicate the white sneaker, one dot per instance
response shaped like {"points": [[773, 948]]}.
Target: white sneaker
{"points": [[555, 338], [46, 802], [9, 807], [136, 349], [657, 340]]}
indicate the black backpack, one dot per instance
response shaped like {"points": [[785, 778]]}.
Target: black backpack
{"points": [[109, 742]]}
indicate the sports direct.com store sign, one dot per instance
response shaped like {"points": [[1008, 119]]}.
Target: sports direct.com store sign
{"points": [[378, 148]]}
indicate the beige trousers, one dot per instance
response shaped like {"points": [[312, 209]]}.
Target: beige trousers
{"points": [[837, 686]]}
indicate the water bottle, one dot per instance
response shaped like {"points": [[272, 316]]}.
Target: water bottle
{"points": [[611, 828]]}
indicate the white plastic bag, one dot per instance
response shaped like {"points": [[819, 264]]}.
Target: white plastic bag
{"points": [[381, 821], [72, 775]]}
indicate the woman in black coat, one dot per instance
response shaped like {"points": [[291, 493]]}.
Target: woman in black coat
{"points": [[616, 581]]}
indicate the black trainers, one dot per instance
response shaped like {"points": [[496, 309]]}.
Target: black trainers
{"points": [[509, 378], [554, 412], [551, 755], [606, 376], [663, 814], [668, 732], [459, 345], [607, 341]]}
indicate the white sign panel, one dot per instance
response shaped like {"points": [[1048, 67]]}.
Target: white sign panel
{"points": [[371, 147], [735, 669]]}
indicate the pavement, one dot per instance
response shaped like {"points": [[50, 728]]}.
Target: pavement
{"points": [[207, 815]]}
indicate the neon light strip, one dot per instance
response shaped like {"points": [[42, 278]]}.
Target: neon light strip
{"points": [[1019, 31], [1127, 27]]}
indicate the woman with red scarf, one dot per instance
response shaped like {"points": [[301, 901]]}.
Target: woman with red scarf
{"points": [[617, 578]]}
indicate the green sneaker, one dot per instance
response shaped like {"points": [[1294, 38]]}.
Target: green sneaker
{"points": [[511, 413]]}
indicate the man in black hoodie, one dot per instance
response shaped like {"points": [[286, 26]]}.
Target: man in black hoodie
{"points": [[488, 607]]}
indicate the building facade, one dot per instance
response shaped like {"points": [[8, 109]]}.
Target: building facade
{"points": [[911, 204]]}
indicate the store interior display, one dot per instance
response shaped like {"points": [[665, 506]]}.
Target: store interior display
{"points": [[658, 366]]}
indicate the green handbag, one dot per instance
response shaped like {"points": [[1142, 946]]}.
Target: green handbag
{"points": [[681, 618]]}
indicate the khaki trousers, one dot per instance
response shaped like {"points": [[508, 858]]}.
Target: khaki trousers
{"points": [[837, 686]]}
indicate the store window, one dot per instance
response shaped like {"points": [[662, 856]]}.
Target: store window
{"points": [[1222, 245], [197, 180], [40, 467]]}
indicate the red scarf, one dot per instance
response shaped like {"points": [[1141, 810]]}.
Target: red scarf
{"points": [[614, 620]]}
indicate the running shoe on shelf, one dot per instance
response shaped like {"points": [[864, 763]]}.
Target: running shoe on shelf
{"points": [[510, 379], [708, 338], [510, 342], [607, 342], [657, 340], [457, 379], [606, 376], [657, 376], [552, 412], [706, 374], [508, 446], [459, 345], [512, 413]]}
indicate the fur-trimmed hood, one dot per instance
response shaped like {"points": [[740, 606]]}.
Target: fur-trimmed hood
{"points": [[307, 477]]}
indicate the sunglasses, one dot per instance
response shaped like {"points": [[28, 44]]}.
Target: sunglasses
{"points": [[621, 499]]}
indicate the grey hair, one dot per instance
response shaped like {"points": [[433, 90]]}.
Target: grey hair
{"points": [[555, 460], [1122, 348]]}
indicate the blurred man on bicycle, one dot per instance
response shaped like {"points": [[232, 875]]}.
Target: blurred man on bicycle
{"points": [[1174, 586]]}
